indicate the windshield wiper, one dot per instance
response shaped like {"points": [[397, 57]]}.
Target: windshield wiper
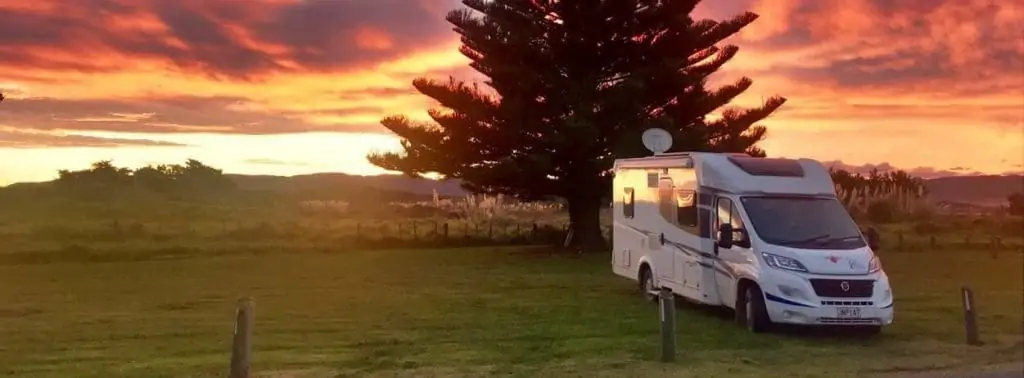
{"points": [[824, 238], [845, 238], [808, 240]]}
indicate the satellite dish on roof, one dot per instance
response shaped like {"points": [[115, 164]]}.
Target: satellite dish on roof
{"points": [[657, 140]]}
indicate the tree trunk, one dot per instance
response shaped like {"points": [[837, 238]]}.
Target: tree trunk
{"points": [[585, 223]]}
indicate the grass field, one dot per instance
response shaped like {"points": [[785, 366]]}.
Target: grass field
{"points": [[457, 312]]}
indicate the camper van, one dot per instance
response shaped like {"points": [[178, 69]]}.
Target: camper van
{"points": [[766, 237]]}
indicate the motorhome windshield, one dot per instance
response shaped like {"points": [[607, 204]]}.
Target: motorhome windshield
{"points": [[803, 222]]}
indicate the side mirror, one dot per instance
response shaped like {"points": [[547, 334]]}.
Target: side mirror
{"points": [[725, 236], [661, 238], [874, 239]]}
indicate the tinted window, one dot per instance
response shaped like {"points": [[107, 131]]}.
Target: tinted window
{"points": [[678, 206], [686, 208], [803, 222]]}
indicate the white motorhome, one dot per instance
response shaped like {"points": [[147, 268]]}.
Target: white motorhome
{"points": [[764, 236]]}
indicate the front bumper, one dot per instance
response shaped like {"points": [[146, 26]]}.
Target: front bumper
{"points": [[793, 300], [832, 314]]}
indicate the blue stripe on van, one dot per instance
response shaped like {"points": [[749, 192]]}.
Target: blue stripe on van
{"points": [[716, 263], [783, 300]]}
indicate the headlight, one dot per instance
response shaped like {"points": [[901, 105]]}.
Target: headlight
{"points": [[784, 263], [875, 264]]}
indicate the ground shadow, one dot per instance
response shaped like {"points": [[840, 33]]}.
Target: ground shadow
{"points": [[841, 334]]}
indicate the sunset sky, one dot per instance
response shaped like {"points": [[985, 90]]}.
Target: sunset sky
{"points": [[298, 86]]}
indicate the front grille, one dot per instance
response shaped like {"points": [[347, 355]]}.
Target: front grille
{"points": [[834, 288], [847, 303]]}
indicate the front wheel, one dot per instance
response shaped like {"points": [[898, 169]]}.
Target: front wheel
{"points": [[647, 285], [754, 313]]}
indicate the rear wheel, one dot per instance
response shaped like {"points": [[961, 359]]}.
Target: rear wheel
{"points": [[753, 314], [647, 284]]}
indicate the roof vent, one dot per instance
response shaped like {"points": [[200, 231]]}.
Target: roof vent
{"points": [[768, 167]]}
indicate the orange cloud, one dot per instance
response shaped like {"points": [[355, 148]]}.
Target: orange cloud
{"points": [[11, 138], [373, 39]]}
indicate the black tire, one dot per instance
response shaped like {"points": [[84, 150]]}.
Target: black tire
{"points": [[753, 314], [646, 284]]}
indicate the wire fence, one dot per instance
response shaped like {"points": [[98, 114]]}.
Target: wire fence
{"points": [[416, 233], [368, 234]]}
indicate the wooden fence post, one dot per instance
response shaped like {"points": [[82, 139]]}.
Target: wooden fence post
{"points": [[359, 233], [533, 234], [241, 348], [970, 316], [668, 325], [490, 230], [445, 230]]}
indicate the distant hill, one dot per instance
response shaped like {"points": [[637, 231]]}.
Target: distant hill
{"points": [[339, 186]]}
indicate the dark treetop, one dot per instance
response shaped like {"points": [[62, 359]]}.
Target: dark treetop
{"points": [[571, 85]]}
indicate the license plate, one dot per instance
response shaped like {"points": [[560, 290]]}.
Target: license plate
{"points": [[848, 312]]}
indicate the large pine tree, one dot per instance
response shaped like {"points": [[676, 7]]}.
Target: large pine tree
{"points": [[573, 84]]}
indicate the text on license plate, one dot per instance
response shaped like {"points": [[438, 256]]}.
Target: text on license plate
{"points": [[847, 312]]}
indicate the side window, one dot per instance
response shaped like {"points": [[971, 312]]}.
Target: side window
{"points": [[729, 214], [628, 208], [686, 208], [678, 206], [724, 210], [735, 218], [652, 180]]}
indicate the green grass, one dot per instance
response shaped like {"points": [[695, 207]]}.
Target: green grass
{"points": [[456, 312]]}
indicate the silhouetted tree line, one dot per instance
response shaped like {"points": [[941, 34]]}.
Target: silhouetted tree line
{"points": [[104, 181], [879, 183]]}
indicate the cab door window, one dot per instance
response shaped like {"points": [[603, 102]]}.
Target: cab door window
{"points": [[728, 213]]}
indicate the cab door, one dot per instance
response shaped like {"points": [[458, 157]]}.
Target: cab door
{"points": [[729, 259]]}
